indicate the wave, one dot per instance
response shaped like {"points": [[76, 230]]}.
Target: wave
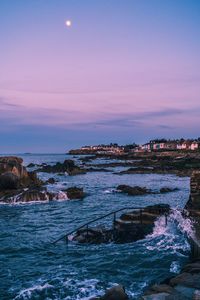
{"points": [[173, 235]]}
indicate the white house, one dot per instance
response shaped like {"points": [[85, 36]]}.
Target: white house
{"points": [[194, 145], [146, 147]]}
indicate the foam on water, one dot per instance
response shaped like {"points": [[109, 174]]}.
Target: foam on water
{"points": [[172, 235]]}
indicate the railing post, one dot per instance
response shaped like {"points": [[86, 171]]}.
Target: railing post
{"points": [[114, 219], [140, 216]]}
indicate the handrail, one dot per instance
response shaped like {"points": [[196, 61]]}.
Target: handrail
{"points": [[104, 216]]}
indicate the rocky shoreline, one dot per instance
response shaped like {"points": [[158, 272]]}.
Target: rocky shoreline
{"points": [[17, 185], [166, 162]]}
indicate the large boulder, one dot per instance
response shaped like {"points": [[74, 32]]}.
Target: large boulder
{"points": [[9, 180], [13, 174], [75, 193], [14, 165], [115, 293]]}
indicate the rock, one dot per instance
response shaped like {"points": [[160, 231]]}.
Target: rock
{"points": [[186, 279], [167, 190], [34, 195], [13, 174], [194, 199], [14, 165], [75, 193], [96, 235], [67, 166], [31, 165], [50, 181], [115, 293], [9, 181], [133, 191]]}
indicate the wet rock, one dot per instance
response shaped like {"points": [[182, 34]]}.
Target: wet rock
{"points": [[168, 190], [13, 174], [32, 165], [9, 181], [75, 193], [115, 293], [67, 166], [194, 199], [50, 181], [14, 165], [184, 286], [187, 279], [96, 235], [33, 195], [133, 190]]}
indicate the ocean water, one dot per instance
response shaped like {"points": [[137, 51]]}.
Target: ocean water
{"points": [[31, 267]]}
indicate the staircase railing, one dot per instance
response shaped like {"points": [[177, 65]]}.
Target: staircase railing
{"points": [[160, 210]]}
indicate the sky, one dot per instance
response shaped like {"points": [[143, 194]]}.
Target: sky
{"points": [[125, 71]]}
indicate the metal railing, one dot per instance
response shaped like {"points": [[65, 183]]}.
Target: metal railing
{"points": [[141, 210]]}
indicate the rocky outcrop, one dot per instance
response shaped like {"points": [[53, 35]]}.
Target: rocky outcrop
{"points": [[133, 190], [13, 174], [67, 166], [39, 194], [184, 286], [194, 200], [114, 293], [75, 193], [166, 189], [19, 185], [9, 180]]}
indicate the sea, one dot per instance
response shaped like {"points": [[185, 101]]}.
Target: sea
{"points": [[32, 267]]}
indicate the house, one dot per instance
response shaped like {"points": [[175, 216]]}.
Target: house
{"points": [[194, 145], [146, 147], [158, 146], [188, 145]]}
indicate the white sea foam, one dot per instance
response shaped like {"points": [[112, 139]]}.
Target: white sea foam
{"points": [[175, 267], [29, 292], [168, 235], [109, 191]]}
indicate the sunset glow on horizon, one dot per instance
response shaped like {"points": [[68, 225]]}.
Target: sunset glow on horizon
{"points": [[125, 72]]}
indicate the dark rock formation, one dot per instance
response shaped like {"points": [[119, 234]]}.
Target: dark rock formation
{"points": [[9, 180], [168, 190], [67, 166], [50, 181], [75, 193], [184, 286], [194, 200], [133, 190], [13, 174], [115, 293]]}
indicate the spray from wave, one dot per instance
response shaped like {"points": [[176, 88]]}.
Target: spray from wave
{"points": [[172, 235]]}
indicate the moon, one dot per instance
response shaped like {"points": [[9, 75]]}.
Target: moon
{"points": [[68, 23]]}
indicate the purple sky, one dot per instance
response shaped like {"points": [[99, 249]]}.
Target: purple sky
{"points": [[124, 71]]}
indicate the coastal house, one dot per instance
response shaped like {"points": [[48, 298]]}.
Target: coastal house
{"points": [[146, 147], [158, 146], [194, 145], [188, 145]]}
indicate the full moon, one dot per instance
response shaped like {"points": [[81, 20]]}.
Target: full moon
{"points": [[68, 23]]}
